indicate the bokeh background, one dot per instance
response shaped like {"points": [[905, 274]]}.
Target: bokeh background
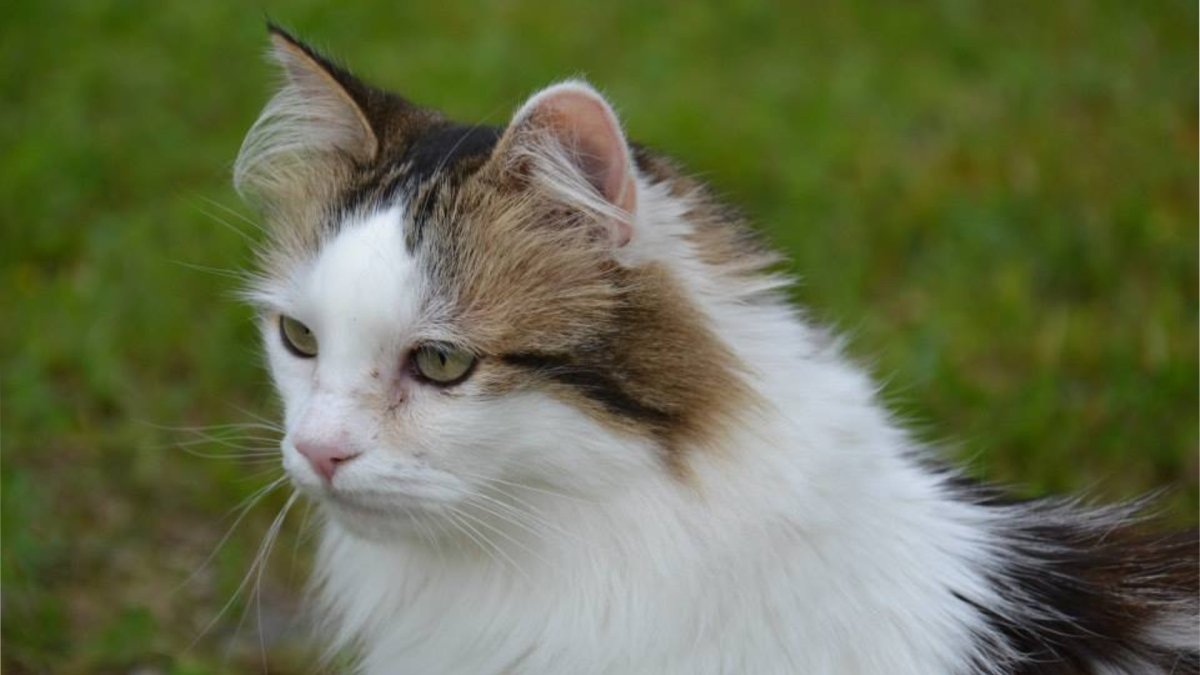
{"points": [[997, 202]]}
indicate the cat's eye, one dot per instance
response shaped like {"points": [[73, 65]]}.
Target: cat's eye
{"points": [[297, 337], [442, 364]]}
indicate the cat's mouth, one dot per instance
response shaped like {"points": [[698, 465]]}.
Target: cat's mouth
{"points": [[382, 518], [383, 505], [356, 506]]}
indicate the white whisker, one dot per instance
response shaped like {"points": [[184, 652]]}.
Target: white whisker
{"points": [[530, 511], [522, 486], [528, 521], [255, 569], [491, 544], [301, 532], [236, 214], [242, 509], [221, 221], [236, 275], [218, 428], [272, 536]]}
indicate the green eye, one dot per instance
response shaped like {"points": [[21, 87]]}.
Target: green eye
{"points": [[442, 364], [297, 337]]}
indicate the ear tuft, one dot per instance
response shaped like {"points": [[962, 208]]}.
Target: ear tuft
{"points": [[578, 151], [317, 112]]}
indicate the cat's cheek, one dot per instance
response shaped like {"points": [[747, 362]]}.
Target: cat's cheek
{"points": [[292, 378], [533, 436]]}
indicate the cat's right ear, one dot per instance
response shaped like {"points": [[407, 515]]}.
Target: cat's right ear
{"points": [[321, 115], [567, 139]]}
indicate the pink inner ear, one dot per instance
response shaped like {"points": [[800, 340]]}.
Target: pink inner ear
{"points": [[586, 126]]}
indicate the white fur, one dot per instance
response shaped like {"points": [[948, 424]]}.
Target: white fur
{"points": [[516, 534]]}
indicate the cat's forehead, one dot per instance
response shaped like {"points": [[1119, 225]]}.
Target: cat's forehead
{"points": [[365, 276], [431, 160]]}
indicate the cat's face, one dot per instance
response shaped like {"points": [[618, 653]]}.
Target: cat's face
{"points": [[449, 309], [376, 437]]}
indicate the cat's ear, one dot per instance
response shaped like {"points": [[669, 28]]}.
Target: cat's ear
{"points": [[567, 139], [321, 112]]}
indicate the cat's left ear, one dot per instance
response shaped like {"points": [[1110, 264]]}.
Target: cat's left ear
{"points": [[566, 138], [322, 119]]}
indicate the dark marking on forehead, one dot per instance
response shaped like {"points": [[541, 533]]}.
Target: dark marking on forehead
{"points": [[443, 147], [432, 162], [439, 161]]}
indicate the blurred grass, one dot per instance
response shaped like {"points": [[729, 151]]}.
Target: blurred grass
{"points": [[996, 200]]}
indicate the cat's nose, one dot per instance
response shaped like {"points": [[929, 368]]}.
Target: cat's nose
{"points": [[325, 457]]}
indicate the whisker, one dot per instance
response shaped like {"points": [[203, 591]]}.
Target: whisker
{"points": [[251, 573], [217, 271], [505, 513], [441, 526], [216, 428], [433, 536], [221, 221], [466, 529], [256, 475], [240, 453], [242, 509], [230, 438], [423, 529], [272, 536], [300, 535], [530, 515], [499, 550], [503, 518], [267, 421], [234, 212], [546, 491], [232, 442]]}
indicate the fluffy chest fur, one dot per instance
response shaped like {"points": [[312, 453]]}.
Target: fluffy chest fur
{"points": [[559, 417], [762, 600]]}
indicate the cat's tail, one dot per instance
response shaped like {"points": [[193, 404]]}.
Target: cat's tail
{"points": [[1088, 590]]}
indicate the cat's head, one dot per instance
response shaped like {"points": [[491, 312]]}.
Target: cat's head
{"points": [[451, 308]]}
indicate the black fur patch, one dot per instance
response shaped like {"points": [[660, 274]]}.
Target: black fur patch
{"points": [[1086, 588], [594, 384], [444, 146], [435, 159]]}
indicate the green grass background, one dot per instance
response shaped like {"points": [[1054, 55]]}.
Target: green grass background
{"points": [[996, 201]]}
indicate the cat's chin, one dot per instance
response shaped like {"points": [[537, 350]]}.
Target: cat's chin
{"points": [[378, 523]]}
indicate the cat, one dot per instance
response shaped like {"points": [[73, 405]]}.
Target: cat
{"points": [[560, 417]]}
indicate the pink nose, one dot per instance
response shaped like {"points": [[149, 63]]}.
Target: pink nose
{"points": [[325, 457]]}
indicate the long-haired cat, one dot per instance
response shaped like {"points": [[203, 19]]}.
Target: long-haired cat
{"points": [[560, 418]]}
